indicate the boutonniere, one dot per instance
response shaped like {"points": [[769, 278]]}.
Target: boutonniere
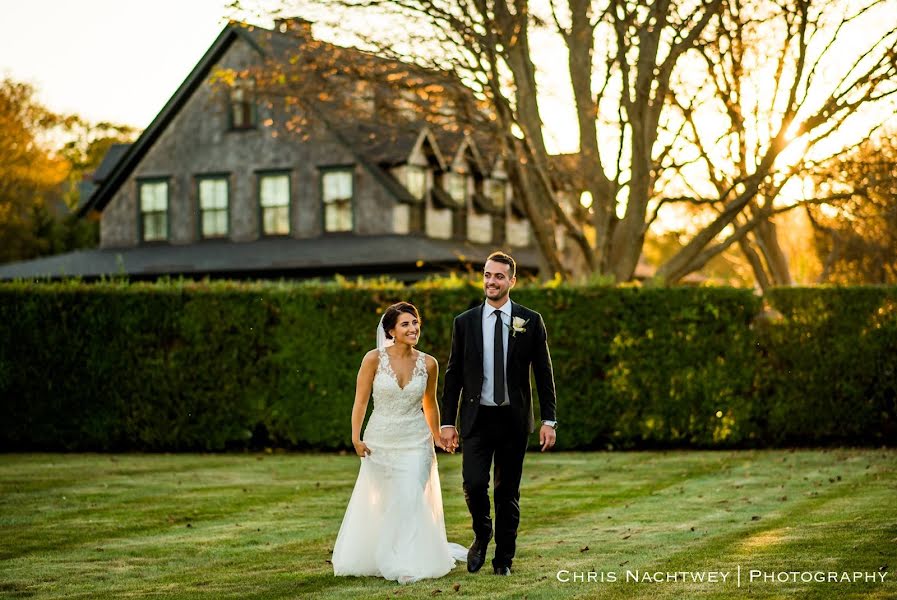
{"points": [[518, 325]]}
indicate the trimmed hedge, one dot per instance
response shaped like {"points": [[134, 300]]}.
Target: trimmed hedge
{"points": [[222, 365]]}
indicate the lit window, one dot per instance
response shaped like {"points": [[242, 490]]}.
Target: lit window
{"points": [[154, 211], [495, 191], [337, 197], [274, 198], [416, 181], [456, 186], [213, 206]]}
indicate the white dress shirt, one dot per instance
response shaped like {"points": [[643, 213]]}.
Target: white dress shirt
{"points": [[489, 317]]}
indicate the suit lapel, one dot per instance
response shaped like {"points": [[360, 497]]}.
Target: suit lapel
{"points": [[512, 339], [478, 330]]}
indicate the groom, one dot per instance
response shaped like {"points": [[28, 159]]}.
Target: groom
{"points": [[493, 347]]}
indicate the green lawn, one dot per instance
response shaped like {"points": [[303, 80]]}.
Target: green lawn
{"points": [[262, 526]]}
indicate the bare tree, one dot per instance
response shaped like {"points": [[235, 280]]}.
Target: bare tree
{"points": [[655, 73], [771, 131]]}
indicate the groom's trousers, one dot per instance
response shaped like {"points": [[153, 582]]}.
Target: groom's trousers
{"points": [[494, 437]]}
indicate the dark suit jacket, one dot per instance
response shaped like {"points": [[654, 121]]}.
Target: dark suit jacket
{"points": [[464, 372]]}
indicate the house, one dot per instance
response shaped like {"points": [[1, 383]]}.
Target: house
{"points": [[230, 180]]}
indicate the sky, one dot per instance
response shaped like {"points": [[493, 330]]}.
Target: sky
{"points": [[107, 60], [121, 60]]}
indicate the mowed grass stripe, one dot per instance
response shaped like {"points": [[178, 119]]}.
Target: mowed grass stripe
{"points": [[247, 526]]}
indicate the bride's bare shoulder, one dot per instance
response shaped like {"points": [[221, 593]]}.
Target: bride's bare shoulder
{"points": [[430, 362], [371, 358]]}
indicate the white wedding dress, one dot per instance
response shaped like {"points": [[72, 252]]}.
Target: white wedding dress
{"points": [[394, 526]]}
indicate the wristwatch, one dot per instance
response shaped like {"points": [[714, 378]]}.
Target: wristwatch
{"points": [[552, 424]]}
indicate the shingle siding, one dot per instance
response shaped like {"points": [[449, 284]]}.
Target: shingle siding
{"points": [[198, 141]]}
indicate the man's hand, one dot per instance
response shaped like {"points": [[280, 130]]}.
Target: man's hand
{"points": [[449, 438], [547, 437]]}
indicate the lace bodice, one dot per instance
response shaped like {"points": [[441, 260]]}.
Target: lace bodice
{"points": [[389, 398], [397, 420]]}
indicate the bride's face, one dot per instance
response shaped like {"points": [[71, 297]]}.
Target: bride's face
{"points": [[407, 330]]}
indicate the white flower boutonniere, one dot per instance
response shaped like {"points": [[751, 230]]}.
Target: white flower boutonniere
{"points": [[518, 325]]}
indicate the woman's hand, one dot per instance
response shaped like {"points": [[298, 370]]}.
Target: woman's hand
{"points": [[361, 448]]}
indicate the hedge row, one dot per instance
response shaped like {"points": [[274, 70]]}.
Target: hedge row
{"points": [[222, 365]]}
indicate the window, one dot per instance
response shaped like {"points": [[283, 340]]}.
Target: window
{"points": [[416, 181], [337, 196], [213, 207], [456, 186], [274, 200], [153, 211], [242, 105], [495, 191]]}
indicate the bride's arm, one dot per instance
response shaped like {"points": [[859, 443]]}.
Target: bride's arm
{"points": [[431, 409], [363, 384]]}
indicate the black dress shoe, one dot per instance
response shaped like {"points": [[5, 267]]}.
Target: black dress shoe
{"points": [[501, 570], [476, 555]]}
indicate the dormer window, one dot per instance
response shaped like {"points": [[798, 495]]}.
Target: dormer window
{"points": [[416, 181], [496, 190], [456, 186], [242, 105]]}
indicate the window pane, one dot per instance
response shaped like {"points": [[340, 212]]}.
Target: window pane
{"points": [[416, 181], [338, 217], [456, 187], [337, 186], [495, 189], [275, 190], [221, 222], [213, 193], [153, 196], [214, 223], [155, 226], [276, 221]]}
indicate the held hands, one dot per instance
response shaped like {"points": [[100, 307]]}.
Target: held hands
{"points": [[448, 436], [547, 437], [361, 448]]}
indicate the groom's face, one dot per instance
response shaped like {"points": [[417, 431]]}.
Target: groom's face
{"points": [[496, 280]]}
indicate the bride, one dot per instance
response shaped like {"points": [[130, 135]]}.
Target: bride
{"points": [[393, 526]]}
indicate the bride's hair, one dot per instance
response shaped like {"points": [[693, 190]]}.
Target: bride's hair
{"points": [[391, 316]]}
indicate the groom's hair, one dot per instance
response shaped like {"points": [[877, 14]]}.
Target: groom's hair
{"points": [[391, 316], [506, 259]]}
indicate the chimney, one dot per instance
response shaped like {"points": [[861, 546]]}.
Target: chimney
{"points": [[295, 25]]}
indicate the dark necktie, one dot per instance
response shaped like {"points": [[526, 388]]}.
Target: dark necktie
{"points": [[498, 386]]}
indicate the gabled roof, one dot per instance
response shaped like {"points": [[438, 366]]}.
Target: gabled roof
{"points": [[372, 144], [110, 161], [136, 151]]}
